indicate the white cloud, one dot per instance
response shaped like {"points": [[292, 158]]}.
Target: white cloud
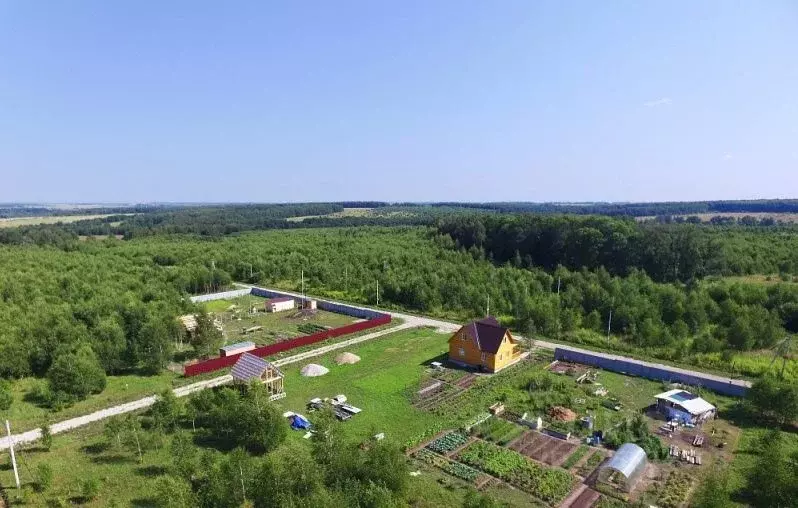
{"points": [[662, 101], [727, 156]]}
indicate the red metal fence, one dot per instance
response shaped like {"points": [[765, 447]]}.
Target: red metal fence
{"points": [[228, 361]]}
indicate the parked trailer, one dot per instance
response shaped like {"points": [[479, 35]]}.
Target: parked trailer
{"points": [[658, 372]]}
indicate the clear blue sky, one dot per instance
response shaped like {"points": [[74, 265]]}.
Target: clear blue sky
{"points": [[398, 100]]}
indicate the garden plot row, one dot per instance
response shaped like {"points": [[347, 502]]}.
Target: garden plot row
{"points": [[454, 468], [543, 448], [434, 398], [498, 430], [550, 485]]}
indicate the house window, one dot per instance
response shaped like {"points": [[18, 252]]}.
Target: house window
{"points": [[462, 352], [501, 356]]}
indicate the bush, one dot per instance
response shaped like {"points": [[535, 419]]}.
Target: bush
{"points": [[90, 488], [47, 437], [6, 398], [44, 477], [76, 375]]}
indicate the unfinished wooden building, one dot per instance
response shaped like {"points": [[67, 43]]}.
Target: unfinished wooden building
{"points": [[249, 368]]}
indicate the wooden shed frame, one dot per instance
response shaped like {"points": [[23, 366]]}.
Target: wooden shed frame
{"points": [[249, 367]]}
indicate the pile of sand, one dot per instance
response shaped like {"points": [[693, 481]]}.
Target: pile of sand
{"points": [[313, 370], [562, 414], [346, 358]]}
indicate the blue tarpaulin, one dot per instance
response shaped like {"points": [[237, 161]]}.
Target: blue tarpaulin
{"points": [[299, 422]]}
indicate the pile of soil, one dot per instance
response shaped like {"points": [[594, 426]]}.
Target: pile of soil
{"points": [[314, 370], [346, 358], [562, 414]]}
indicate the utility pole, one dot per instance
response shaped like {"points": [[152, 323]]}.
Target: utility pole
{"points": [[303, 289], [13, 457], [609, 325]]}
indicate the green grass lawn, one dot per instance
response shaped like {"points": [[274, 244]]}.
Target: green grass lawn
{"points": [[26, 414], [378, 384], [81, 454]]}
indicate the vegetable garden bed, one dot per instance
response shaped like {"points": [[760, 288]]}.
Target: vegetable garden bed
{"points": [[455, 469], [590, 464], [547, 484], [448, 443], [575, 457], [498, 431]]}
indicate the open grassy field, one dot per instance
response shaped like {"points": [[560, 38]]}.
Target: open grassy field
{"points": [[762, 279], [33, 221], [274, 326], [378, 384], [356, 212], [77, 456], [347, 212]]}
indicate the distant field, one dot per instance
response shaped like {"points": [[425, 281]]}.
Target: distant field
{"points": [[354, 212], [706, 217], [759, 279], [33, 221], [347, 212]]}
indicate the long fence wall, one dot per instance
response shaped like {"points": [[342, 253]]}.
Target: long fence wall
{"points": [[374, 319], [220, 296], [339, 308], [658, 372]]}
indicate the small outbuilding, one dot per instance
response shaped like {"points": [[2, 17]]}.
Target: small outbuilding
{"points": [[189, 322], [249, 368], [280, 304], [625, 468], [309, 304], [684, 407], [234, 349]]}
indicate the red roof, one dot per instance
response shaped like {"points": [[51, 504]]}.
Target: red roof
{"points": [[487, 333]]}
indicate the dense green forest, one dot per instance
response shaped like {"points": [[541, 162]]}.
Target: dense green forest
{"points": [[680, 252], [121, 297]]}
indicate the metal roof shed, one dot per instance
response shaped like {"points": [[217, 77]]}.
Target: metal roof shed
{"points": [[624, 468]]}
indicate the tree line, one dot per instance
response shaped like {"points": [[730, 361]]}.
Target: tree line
{"points": [[678, 252]]}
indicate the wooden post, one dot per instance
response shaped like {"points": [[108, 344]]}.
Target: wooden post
{"points": [[13, 457]]}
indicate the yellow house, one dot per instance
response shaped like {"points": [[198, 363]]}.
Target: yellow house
{"points": [[484, 345]]}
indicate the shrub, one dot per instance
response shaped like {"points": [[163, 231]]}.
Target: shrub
{"points": [[76, 375], [90, 488], [6, 398], [44, 477]]}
